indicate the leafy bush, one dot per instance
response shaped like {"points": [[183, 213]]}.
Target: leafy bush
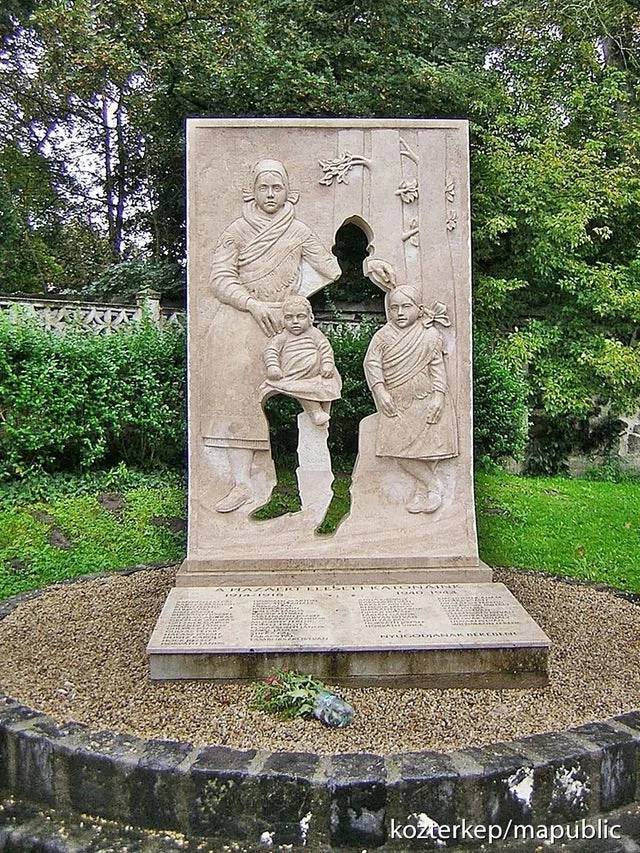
{"points": [[553, 439], [499, 403], [612, 470], [579, 384], [69, 401], [349, 347], [74, 401]]}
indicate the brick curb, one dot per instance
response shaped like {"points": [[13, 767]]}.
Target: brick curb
{"points": [[324, 800]]}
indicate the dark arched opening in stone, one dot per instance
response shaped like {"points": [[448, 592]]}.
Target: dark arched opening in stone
{"points": [[353, 293]]}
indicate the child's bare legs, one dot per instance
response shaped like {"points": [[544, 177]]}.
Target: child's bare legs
{"points": [[317, 412], [428, 495]]}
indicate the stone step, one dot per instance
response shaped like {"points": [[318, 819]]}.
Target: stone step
{"points": [[26, 828], [467, 635]]}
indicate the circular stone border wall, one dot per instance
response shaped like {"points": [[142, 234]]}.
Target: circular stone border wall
{"points": [[318, 800]]}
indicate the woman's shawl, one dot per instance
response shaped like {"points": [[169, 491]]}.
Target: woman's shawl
{"points": [[269, 229]]}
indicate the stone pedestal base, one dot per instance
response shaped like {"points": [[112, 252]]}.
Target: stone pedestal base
{"points": [[283, 572], [473, 635]]}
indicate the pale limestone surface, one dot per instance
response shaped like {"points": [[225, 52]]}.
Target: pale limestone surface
{"points": [[446, 632], [397, 594], [406, 183], [349, 618]]}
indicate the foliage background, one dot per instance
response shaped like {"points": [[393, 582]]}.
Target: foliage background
{"points": [[70, 401], [93, 97], [74, 401]]}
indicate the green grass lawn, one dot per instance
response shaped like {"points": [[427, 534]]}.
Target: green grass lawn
{"points": [[61, 527], [69, 532], [578, 528]]}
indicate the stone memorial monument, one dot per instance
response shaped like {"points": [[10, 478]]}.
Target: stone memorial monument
{"points": [[397, 594]]}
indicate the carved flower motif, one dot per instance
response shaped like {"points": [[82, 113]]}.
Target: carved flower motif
{"points": [[413, 234], [452, 221], [339, 168], [408, 191]]}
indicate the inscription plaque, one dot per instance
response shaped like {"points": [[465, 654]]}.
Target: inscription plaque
{"points": [[326, 618]]}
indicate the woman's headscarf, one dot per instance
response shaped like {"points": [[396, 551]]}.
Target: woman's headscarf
{"points": [[277, 168], [269, 229], [414, 293]]}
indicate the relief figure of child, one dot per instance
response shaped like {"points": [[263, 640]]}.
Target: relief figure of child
{"points": [[299, 363], [406, 372]]}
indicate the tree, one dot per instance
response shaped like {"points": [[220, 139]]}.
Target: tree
{"points": [[550, 88], [556, 203]]}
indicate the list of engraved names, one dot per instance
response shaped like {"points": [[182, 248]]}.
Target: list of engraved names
{"points": [[291, 620], [197, 623], [475, 608]]}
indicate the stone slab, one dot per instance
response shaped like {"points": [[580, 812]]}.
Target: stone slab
{"points": [[348, 571], [407, 186], [471, 634], [254, 594]]}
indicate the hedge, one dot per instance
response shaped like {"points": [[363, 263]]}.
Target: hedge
{"points": [[74, 401]]}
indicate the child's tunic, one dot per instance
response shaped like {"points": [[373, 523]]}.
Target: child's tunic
{"points": [[301, 358], [410, 364]]}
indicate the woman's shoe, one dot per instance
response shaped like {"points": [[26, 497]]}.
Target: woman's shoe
{"points": [[237, 497]]}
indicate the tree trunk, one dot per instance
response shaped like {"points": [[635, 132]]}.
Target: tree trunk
{"points": [[108, 173], [121, 177]]}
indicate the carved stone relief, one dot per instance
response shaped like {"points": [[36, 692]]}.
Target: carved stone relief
{"points": [[412, 235], [339, 168], [405, 151], [406, 372], [299, 363], [450, 196], [260, 241], [256, 266], [408, 191], [411, 521], [450, 191]]}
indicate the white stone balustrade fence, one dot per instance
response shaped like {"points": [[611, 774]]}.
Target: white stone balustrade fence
{"points": [[97, 317], [103, 318]]}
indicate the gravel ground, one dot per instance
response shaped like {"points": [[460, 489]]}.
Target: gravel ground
{"points": [[77, 653]]}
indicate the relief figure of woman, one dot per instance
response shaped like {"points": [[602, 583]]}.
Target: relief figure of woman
{"points": [[255, 267]]}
